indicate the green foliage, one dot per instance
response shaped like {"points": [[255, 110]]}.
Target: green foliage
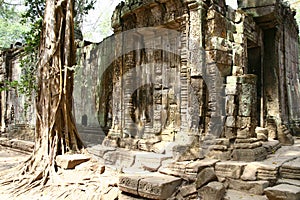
{"points": [[11, 30]]}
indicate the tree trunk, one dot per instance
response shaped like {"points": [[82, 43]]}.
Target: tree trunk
{"points": [[55, 127], [56, 132]]}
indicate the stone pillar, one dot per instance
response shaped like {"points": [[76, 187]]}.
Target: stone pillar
{"points": [[196, 64], [241, 110], [117, 94], [128, 89]]}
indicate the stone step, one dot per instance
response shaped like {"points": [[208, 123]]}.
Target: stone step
{"points": [[125, 159], [251, 187], [283, 192], [71, 161], [237, 195], [151, 185]]}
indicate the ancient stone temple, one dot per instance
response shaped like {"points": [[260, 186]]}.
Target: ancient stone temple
{"points": [[200, 75]]}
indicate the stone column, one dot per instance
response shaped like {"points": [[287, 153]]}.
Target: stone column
{"points": [[128, 89], [196, 64]]}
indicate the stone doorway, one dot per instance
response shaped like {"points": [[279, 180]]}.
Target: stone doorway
{"points": [[255, 67]]}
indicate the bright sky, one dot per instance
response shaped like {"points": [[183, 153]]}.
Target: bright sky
{"points": [[232, 3]]}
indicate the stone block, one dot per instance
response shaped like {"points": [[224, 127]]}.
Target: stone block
{"points": [[231, 105], [71, 161], [229, 169], [253, 4], [158, 187], [237, 70], [232, 89], [22, 145], [283, 192], [291, 169], [187, 192], [247, 145], [219, 57], [249, 155], [150, 161], [238, 52], [243, 122], [244, 133], [250, 172], [231, 121], [175, 169], [238, 195], [230, 133], [220, 155], [218, 43], [129, 183], [100, 150], [199, 165], [248, 79], [205, 176], [216, 24], [212, 191], [5, 142], [262, 133], [124, 158], [252, 187]]}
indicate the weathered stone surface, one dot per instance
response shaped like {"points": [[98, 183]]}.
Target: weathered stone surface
{"points": [[262, 133], [111, 193], [100, 150], [186, 152], [230, 169], [271, 146], [212, 191], [250, 172], [283, 192], [124, 158], [251, 187], [249, 155], [291, 170], [234, 195], [71, 161], [129, 183], [289, 182], [220, 155], [187, 192], [205, 176], [23, 145], [150, 161], [153, 186]]}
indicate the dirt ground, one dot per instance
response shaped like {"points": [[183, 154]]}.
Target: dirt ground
{"points": [[90, 180]]}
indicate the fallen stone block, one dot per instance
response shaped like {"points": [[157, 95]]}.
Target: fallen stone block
{"points": [[152, 186], [205, 176], [249, 155], [187, 192], [251, 187], [5, 142], [150, 161], [71, 161], [22, 145], [238, 195], [283, 192], [212, 191], [229, 169], [158, 187], [291, 169], [129, 183], [289, 182], [250, 172]]}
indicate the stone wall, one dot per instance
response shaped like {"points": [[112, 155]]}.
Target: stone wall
{"points": [[12, 102]]}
